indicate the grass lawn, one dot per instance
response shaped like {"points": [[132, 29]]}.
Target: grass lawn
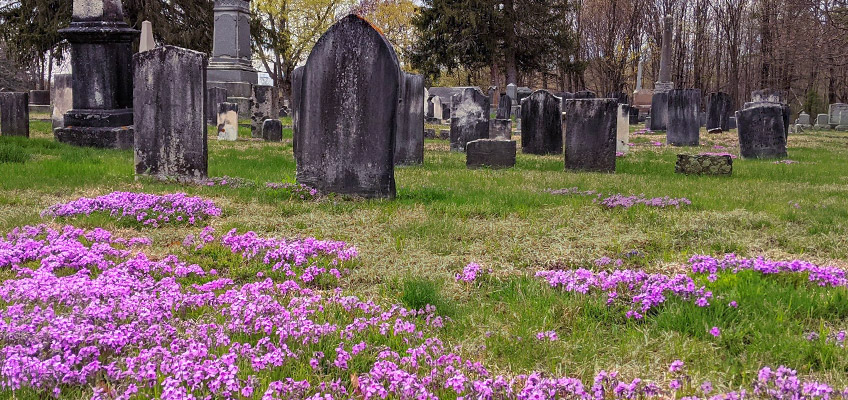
{"points": [[445, 217]]}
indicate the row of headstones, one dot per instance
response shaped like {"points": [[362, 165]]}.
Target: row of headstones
{"points": [[836, 118]]}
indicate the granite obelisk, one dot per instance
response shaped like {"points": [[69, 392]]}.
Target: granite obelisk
{"points": [[659, 103]]}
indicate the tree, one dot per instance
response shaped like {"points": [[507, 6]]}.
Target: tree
{"points": [[30, 30], [183, 23], [394, 19]]}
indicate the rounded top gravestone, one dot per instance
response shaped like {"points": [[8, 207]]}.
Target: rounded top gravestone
{"points": [[348, 109]]}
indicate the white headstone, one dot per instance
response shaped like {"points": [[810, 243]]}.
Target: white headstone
{"points": [[146, 42], [622, 129]]}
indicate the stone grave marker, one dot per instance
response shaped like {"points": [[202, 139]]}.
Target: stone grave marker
{"points": [[703, 164], [63, 100], [768, 95], [622, 129], [822, 121], [838, 116], [491, 153], [296, 90], [214, 96], [541, 124], [470, 118], [409, 142], [719, 111], [263, 105], [504, 107], [659, 111], [438, 110], [500, 129], [590, 134], [230, 65], [803, 120], [683, 119], [146, 42], [272, 130], [14, 114], [761, 131], [228, 121], [39, 101]]}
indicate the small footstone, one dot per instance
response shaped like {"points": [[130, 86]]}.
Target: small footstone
{"points": [[228, 121], [14, 114], [761, 131], [590, 134], [490, 153], [500, 129], [272, 130], [688, 164]]}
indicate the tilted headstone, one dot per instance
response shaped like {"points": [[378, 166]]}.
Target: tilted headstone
{"points": [[504, 107], [214, 96], [347, 122], [684, 128], [541, 123], [101, 58], [839, 116], [272, 130], [63, 98], [500, 129], [822, 121], [659, 111], [491, 153], [228, 121], [409, 142], [768, 95], [169, 90], [263, 105], [470, 118], [623, 129], [14, 114], [703, 164], [761, 131], [719, 111], [296, 99], [146, 42], [590, 134]]}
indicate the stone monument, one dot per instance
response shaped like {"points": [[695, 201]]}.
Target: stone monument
{"points": [[230, 66], [622, 124], [684, 127], [500, 129], [228, 121], [263, 105], [214, 96], [272, 130], [541, 123], [146, 42], [659, 103], [63, 100], [470, 118], [838, 116], [761, 131], [296, 90], [719, 111], [14, 114], [704, 164], [491, 153], [590, 134]]}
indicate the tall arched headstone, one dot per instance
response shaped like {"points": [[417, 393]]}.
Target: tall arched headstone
{"points": [[541, 123], [469, 118], [348, 110], [409, 142]]}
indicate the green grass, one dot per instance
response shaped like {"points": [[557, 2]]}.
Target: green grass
{"points": [[445, 216]]}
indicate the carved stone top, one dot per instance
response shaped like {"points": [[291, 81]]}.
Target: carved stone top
{"points": [[98, 10]]}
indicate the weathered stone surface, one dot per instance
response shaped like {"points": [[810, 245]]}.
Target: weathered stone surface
{"points": [[702, 119], [590, 134], [500, 129], [409, 142], [39, 97], [504, 107], [512, 92], [731, 122], [490, 153], [719, 111], [761, 131], [683, 119], [347, 119], [146, 42], [228, 121], [214, 96], [838, 113], [787, 112], [621, 97], [665, 50], [768, 95], [633, 115], [585, 94], [272, 130], [429, 133], [438, 108], [541, 123], [231, 55], [263, 105], [14, 114], [688, 164], [170, 117], [63, 100], [659, 111], [622, 129], [296, 99], [822, 121], [470, 118], [97, 10], [803, 120]]}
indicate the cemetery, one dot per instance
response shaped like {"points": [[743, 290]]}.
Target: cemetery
{"points": [[190, 215]]}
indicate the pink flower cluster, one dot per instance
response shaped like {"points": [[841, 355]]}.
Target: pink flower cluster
{"points": [[469, 273], [820, 275], [149, 209]]}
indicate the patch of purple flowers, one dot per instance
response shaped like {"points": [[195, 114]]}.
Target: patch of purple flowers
{"points": [[148, 209], [469, 273]]}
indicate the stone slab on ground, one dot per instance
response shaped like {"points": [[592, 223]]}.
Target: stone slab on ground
{"points": [[491, 153]]}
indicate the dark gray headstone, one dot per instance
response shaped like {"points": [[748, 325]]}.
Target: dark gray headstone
{"points": [[263, 105], [39, 97], [504, 107], [170, 116], [659, 111], [14, 114], [684, 126], [348, 110], [787, 112], [500, 129], [541, 123], [719, 111], [296, 90], [214, 96], [272, 130], [702, 164], [731, 123], [409, 142], [633, 116], [230, 63], [444, 134], [761, 131], [470, 118], [431, 108], [490, 153], [63, 98], [590, 134]]}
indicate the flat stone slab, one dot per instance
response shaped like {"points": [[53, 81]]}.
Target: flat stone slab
{"points": [[689, 164], [491, 153]]}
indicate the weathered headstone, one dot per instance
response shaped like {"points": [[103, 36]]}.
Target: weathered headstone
{"points": [[761, 131], [444, 134], [169, 87], [768, 95], [504, 107], [731, 123], [409, 141], [622, 129], [512, 92], [704, 164], [214, 96], [585, 94], [659, 111], [633, 114], [702, 119], [349, 103], [541, 123], [438, 110], [500, 129], [822, 121], [272, 130], [590, 134], [230, 65], [490, 153], [228, 121], [296, 91], [621, 97], [838, 116], [429, 133], [430, 109], [786, 110], [39, 97], [101, 58], [14, 114], [719, 111], [470, 118], [803, 121], [659, 99], [63, 100], [683, 120], [146, 42], [263, 105]]}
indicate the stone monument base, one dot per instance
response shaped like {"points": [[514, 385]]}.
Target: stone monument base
{"points": [[121, 138], [40, 109]]}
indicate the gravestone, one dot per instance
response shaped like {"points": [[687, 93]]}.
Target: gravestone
{"points": [[541, 123], [214, 96], [409, 142], [500, 129], [272, 130], [14, 114], [230, 65], [590, 134], [659, 99], [516, 111], [585, 94], [702, 119], [296, 90], [684, 127], [622, 129], [228, 121], [703, 164], [731, 123], [444, 134], [504, 107], [838, 116], [761, 131], [719, 111], [430, 110], [63, 100], [438, 110], [39, 97], [633, 114], [429, 133], [491, 153], [263, 105], [823, 121], [659, 111], [768, 95], [621, 97], [803, 120], [470, 118], [787, 111], [169, 88], [512, 92], [348, 110], [101, 58], [146, 42], [493, 91]]}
